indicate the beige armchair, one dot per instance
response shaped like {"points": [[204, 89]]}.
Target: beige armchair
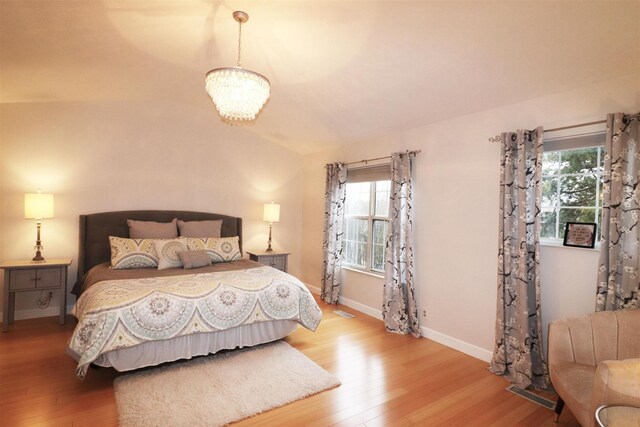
{"points": [[595, 360]]}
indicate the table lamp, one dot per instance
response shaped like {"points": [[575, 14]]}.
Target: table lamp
{"points": [[38, 206], [271, 215]]}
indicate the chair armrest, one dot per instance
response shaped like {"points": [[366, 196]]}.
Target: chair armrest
{"points": [[616, 382]]}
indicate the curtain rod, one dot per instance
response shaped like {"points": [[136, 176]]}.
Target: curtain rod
{"points": [[579, 125], [414, 152]]}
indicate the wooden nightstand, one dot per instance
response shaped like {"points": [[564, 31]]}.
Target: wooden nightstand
{"points": [[24, 276], [273, 259]]}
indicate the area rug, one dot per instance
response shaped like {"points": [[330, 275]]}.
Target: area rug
{"points": [[219, 389]]}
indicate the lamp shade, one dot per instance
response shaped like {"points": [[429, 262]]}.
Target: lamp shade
{"points": [[38, 205], [271, 212]]}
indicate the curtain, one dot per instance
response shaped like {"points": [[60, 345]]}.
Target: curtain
{"points": [[618, 279], [518, 353], [334, 197], [399, 310]]}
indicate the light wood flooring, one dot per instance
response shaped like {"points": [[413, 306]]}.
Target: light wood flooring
{"points": [[387, 380]]}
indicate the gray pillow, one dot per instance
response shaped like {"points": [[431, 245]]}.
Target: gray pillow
{"points": [[210, 228], [194, 259], [152, 229]]}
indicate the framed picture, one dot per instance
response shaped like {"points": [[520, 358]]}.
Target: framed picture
{"points": [[580, 234]]}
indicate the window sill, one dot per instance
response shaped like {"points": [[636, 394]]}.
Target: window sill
{"points": [[557, 243], [367, 272]]}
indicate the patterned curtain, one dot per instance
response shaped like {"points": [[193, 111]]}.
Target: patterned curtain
{"points": [[618, 282], [334, 197], [518, 353], [399, 310]]}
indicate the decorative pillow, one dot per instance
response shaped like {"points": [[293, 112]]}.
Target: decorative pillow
{"points": [[132, 253], [167, 250], [221, 249], [210, 228], [152, 229], [194, 259]]}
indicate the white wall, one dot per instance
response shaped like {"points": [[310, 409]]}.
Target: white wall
{"points": [[111, 156], [456, 215]]}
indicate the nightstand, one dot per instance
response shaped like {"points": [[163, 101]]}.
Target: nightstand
{"points": [[275, 259], [25, 276]]}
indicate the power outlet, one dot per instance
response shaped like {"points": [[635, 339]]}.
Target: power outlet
{"points": [[424, 313], [50, 294]]}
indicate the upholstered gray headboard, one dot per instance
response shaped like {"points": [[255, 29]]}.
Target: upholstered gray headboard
{"points": [[95, 230]]}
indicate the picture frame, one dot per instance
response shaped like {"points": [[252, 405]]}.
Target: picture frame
{"points": [[580, 234]]}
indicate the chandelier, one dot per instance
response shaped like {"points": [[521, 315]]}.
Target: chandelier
{"points": [[237, 93]]}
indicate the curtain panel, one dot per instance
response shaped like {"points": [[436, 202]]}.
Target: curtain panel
{"points": [[618, 278], [518, 353], [399, 309], [334, 198]]}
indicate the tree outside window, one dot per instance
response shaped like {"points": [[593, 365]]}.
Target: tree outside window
{"points": [[571, 189]]}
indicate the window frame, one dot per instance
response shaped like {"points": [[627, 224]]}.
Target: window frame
{"points": [[577, 142], [370, 218]]}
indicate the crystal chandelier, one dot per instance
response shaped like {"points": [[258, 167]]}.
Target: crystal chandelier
{"points": [[237, 93]]}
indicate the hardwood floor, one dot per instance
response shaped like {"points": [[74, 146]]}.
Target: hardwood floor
{"points": [[387, 380]]}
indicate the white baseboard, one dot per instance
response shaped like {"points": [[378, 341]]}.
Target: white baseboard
{"points": [[33, 313], [457, 344], [352, 304], [439, 337], [361, 307], [313, 289]]}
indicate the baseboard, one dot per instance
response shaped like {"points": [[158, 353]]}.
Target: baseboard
{"points": [[33, 313], [457, 344], [313, 289], [361, 307], [351, 304], [439, 337]]}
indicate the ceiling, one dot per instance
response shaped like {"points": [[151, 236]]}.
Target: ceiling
{"points": [[341, 71]]}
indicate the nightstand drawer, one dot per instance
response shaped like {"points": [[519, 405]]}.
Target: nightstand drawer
{"points": [[22, 279], [43, 278], [277, 260], [48, 278]]}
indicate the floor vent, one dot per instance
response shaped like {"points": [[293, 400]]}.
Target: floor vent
{"points": [[532, 397], [344, 314]]}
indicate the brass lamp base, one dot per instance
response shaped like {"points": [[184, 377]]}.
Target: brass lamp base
{"points": [[38, 247], [269, 249]]}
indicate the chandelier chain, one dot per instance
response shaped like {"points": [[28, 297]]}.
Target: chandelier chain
{"points": [[239, 43]]}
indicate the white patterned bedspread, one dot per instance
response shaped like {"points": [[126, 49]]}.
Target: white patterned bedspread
{"points": [[115, 314]]}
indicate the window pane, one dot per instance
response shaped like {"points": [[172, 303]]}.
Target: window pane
{"points": [[550, 163], [549, 193], [582, 160], [377, 257], [548, 226], [355, 240], [379, 231], [578, 190], [382, 198], [379, 234], [358, 194], [575, 215]]}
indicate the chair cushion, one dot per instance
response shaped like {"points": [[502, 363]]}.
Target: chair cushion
{"points": [[574, 381]]}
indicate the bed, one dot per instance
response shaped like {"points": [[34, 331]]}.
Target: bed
{"points": [[133, 318]]}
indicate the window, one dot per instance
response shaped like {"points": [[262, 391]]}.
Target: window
{"points": [[366, 222], [571, 185]]}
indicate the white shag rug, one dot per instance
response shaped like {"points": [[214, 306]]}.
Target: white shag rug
{"points": [[219, 389]]}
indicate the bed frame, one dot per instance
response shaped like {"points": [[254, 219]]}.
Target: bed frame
{"points": [[95, 229]]}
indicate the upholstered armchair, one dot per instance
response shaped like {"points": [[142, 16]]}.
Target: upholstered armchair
{"points": [[595, 360]]}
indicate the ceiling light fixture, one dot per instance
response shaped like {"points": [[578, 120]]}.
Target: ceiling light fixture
{"points": [[237, 93]]}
